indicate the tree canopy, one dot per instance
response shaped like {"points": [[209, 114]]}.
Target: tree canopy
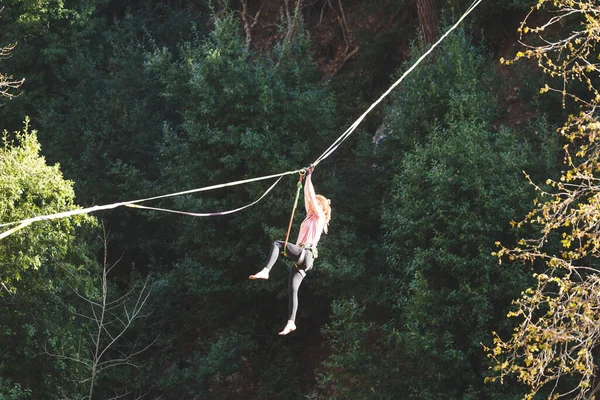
{"points": [[133, 99]]}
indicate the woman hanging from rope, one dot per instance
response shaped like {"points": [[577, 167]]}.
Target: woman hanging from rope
{"points": [[303, 253]]}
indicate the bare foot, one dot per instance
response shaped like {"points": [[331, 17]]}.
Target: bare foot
{"points": [[290, 327], [264, 274]]}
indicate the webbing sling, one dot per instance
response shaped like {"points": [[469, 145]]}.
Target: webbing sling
{"points": [[287, 236]]}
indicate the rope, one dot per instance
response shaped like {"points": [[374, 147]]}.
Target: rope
{"points": [[23, 223], [353, 127], [287, 235], [332, 148], [207, 214]]}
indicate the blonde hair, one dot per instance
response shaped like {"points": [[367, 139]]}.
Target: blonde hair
{"points": [[325, 205]]}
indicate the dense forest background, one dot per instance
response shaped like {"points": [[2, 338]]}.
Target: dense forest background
{"points": [[127, 99]]}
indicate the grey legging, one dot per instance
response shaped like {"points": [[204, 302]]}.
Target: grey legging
{"points": [[296, 273]]}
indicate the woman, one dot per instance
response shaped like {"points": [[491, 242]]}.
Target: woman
{"points": [[303, 253]]}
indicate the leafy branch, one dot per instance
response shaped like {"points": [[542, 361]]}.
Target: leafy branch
{"points": [[559, 327]]}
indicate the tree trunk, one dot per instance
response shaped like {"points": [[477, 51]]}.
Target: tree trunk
{"points": [[429, 16]]}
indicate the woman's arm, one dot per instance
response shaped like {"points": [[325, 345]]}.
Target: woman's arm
{"points": [[310, 197]]}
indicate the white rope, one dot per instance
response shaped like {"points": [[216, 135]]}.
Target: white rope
{"points": [[214, 214], [23, 223], [353, 127]]}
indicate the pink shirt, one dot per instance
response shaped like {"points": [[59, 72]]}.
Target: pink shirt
{"points": [[312, 226]]}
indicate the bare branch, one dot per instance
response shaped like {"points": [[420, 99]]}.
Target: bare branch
{"points": [[348, 56], [85, 362], [346, 33], [110, 320], [291, 17], [247, 26], [7, 82]]}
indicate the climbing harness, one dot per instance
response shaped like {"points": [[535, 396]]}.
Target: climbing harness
{"points": [[302, 257], [287, 236]]}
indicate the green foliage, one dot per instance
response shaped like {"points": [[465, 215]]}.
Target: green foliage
{"points": [[224, 114], [213, 369], [47, 33], [139, 98], [240, 114], [10, 391], [30, 188], [243, 115], [451, 199], [447, 209], [456, 183], [99, 108], [357, 345], [429, 98], [41, 264]]}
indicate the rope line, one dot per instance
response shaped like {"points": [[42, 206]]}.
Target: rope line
{"points": [[332, 148], [287, 236], [206, 214], [79, 211], [353, 127]]}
